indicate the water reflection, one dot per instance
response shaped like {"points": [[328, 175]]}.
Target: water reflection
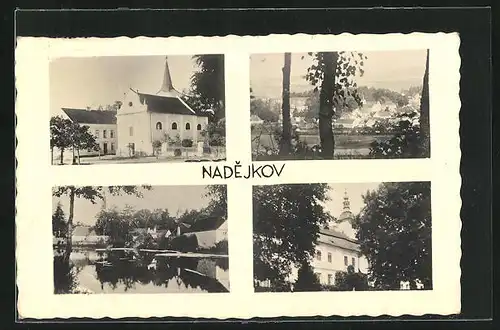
{"points": [[129, 272]]}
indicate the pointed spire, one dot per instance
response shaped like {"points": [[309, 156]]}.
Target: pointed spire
{"points": [[167, 86], [347, 204]]}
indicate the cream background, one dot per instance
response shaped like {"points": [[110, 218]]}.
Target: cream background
{"points": [[35, 177]]}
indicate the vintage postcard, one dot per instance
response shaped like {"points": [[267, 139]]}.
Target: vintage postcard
{"points": [[238, 176]]}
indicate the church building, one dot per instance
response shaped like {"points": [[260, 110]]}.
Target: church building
{"points": [[337, 248], [145, 118]]}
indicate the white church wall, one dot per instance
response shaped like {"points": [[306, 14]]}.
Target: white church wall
{"points": [[134, 128]]}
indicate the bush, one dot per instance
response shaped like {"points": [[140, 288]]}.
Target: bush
{"points": [[187, 143], [306, 279], [220, 248], [177, 152], [185, 243]]}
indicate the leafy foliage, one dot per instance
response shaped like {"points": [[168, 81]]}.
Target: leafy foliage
{"points": [[207, 85], [215, 133], [187, 143], [350, 280], [286, 222], [65, 134], [406, 143], [184, 243], [265, 110], [306, 279], [347, 66], [59, 226], [394, 232], [115, 224]]}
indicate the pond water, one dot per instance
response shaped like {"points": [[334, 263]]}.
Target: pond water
{"points": [[92, 272]]}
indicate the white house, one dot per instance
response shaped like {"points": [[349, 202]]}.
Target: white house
{"points": [[83, 235], [255, 120], [102, 124], [147, 117], [209, 238]]}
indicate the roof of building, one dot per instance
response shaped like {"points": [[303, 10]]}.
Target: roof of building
{"points": [[83, 116], [168, 104], [346, 215], [333, 237], [83, 231]]}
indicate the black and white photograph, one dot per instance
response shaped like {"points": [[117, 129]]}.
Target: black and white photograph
{"points": [[137, 109], [340, 105], [342, 237], [140, 239]]}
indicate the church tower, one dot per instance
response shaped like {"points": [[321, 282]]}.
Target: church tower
{"points": [[167, 87], [346, 217]]}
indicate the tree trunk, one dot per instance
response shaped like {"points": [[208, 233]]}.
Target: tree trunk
{"points": [[51, 155], [424, 112], [326, 105], [78, 155], [69, 234], [62, 156], [286, 138]]}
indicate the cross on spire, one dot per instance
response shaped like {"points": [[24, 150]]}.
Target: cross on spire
{"points": [[347, 204]]}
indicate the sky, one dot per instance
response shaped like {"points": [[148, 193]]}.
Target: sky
{"points": [[354, 192], [395, 70], [174, 198], [94, 81]]}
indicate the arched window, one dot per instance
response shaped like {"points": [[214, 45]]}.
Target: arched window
{"points": [[188, 126], [198, 127], [159, 126], [174, 125], [318, 255]]}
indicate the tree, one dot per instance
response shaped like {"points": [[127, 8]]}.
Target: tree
{"points": [[424, 111], [92, 194], [59, 222], [394, 233], [351, 280], [215, 133], [286, 223], [306, 279], [60, 136], [81, 139], [217, 207], [207, 85], [332, 73], [156, 147], [116, 225], [263, 110], [286, 140]]}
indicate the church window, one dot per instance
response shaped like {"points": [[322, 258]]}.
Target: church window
{"points": [[104, 133], [174, 125], [111, 133], [188, 126], [345, 261], [131, 131], [97, 133], [198, 127], [318, 255], [354, 262], [159, 126], [329, 257]]}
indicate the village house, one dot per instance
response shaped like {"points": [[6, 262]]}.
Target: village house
{"points": [[145, 118], [86, 235], [209, 238], [101, 123]]}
